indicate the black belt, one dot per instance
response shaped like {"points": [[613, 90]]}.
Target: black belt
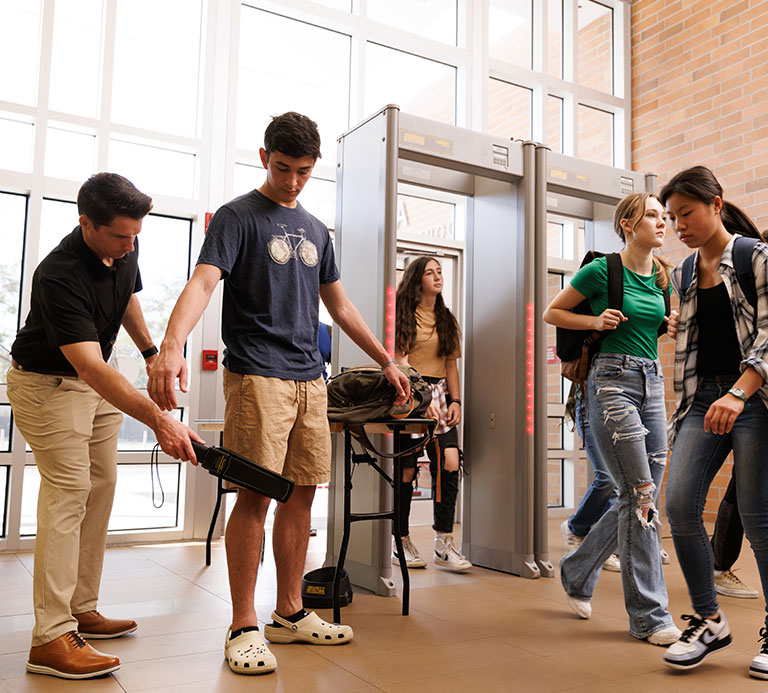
{"points": [[19, 367], [430, 379]]}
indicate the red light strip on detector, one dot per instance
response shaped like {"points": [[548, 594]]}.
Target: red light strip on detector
{"points": [[529, 377]]}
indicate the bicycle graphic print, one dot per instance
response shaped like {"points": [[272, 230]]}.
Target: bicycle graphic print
{"points": [[282, 248]]}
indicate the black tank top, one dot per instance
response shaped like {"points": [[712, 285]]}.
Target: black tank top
{"points": [[719, 351]]}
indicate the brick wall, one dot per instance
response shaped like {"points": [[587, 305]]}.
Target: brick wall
{"points": [[700, 96]]}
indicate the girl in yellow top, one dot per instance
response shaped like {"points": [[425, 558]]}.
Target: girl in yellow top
{"points": [[427, 338]]}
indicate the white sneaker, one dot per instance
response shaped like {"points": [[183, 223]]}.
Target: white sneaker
{"points": [[759, 666], [570, 540], [580, 607], [729, 585], [664, 557], [446, 554], [612, 564], [412, 558], [665, 637], [699, 640]]}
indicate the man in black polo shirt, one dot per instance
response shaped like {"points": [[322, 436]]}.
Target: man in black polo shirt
{"points": [[66, 402]]}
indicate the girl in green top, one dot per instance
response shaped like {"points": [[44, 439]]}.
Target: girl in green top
{"points": [[627, 418]]}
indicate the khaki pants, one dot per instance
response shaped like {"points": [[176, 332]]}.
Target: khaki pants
{"points": [[73, 434]]}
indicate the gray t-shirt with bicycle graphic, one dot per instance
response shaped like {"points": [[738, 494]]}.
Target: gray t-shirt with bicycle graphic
{"points": [[273, 260]]}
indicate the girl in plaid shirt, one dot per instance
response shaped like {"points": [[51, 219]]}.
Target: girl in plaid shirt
{"points": [[721, 401]]}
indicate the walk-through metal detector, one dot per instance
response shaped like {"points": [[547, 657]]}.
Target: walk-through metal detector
{"points": [[497, 176], [509, 186]]}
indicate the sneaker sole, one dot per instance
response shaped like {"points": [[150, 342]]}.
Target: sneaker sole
{"points": [[50, 671], [758, 673], [737, 594], [693, 663], [423, 564]]}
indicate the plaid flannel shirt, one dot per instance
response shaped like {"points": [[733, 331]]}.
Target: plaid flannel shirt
{"points": [[754, 345]]}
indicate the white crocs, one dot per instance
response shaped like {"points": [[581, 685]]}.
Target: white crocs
{"points": [[311, 629], [249, 654]]}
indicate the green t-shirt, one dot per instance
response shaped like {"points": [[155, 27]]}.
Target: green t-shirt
{"points": [[643, 305]]}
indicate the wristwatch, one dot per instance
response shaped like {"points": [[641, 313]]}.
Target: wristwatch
{"points": [[738, 392]]}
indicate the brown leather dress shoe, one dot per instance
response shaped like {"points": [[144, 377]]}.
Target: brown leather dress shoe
{"points": [[70, 657], [93, 625]]}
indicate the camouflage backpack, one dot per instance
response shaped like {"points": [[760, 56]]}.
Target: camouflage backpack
{"points": [[363, 394]]}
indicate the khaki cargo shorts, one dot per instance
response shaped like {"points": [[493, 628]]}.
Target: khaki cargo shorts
{"points": [[280, 424]]}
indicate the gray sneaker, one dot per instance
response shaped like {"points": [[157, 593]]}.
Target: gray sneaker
{"points": [[412, 558]]}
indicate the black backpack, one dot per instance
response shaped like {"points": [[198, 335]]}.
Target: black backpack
{"points": [[576, 349], [743, 248]]}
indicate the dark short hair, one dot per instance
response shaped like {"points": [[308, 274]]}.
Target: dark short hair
{"points": [[105, 196], [293, 134]]}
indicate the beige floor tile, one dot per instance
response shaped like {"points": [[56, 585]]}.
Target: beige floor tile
{"points": [[34, 683], [480, 630]]}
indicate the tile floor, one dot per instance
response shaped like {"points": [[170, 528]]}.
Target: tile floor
{"points": [[484, 630]]}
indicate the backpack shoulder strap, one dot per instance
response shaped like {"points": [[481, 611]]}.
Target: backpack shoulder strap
{"points": [[687, 274], [743, 248], [615, 281]]}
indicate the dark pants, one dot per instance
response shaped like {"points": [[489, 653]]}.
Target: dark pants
{"points": [[443, 512], [729, 532]]}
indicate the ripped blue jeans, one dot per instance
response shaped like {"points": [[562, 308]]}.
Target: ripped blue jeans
{"points": [[625, 396]]}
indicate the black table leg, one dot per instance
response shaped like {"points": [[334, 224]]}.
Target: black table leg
{"points": [[397, 480], [347, 525]]}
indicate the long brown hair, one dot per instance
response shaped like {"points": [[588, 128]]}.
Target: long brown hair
{"points": [[408, 298], [632, 209]]}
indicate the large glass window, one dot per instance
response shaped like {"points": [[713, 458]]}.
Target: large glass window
{"points": [[154, 169], [432, 19], [133, 508], [510, 31], [70, 153], [555, 123], [13, 218], [595, 136], [555, 38], [422, 87], [76, 57], [312, 77], [5, 427], [423, 217], [164, 264], [16, 138], [19, 50], [595, 46], [509, 110], [157, 65], [5, 472]]}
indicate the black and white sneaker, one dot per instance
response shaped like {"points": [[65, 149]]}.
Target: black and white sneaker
{"points": [[700, 639], [759, 666]]}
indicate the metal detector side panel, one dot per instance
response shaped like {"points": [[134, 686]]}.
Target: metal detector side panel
{"points": [[361, 246], [498, 531]]}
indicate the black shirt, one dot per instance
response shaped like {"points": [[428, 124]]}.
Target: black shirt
{"points": [[719, 352], [75, 298]]}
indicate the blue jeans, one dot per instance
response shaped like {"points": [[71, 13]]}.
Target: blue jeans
{"points": [[603, 492], [628, 419], [696, 458]]}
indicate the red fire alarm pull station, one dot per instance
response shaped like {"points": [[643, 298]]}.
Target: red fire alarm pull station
{"points": [[210, 359]]}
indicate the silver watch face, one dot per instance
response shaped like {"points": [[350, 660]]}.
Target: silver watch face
{"points": [[738, 392]]}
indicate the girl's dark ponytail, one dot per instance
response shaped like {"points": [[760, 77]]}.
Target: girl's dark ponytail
{"points": [[736, 220]]}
